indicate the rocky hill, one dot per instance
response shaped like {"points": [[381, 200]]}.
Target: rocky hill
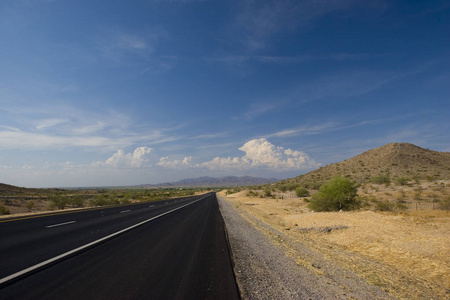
{"points": [[393, 160], [10, 189]]}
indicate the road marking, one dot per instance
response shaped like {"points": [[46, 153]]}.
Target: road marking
{"points": [[71, 252], [151, 205], [60, 213], [61, 224], [125, 211]]}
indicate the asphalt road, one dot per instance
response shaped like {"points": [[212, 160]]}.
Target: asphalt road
{"points": [[177, 249]]}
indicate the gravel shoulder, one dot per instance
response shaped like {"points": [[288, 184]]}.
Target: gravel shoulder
{"points": [[270, 265]]}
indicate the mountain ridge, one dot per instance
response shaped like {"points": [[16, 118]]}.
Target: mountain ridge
{"points": [[394, 160], [207, 181]]}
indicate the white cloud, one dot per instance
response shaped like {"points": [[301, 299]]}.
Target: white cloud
{"points": [[50, 123], [176, 163], [41, 128], [262, 153], [21, 140], [90, 128], [134, 160]]}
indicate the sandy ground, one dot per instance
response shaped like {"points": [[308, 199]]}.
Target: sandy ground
{"points": [[406, 254]]}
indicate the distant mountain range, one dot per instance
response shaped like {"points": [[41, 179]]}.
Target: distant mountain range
{"points": [[228, 181]]}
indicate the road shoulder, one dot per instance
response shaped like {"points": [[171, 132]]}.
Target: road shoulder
{"points": [[270, 265]]}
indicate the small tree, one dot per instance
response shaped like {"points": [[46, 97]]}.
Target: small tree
{"points": [[336, 194], [3, 210], [301, 192], [58, 201]]}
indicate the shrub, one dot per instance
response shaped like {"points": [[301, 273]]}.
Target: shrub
{"points": [[252, 194], [30, 204], [58, 201], [301, 192], [76, 201], [384, 206], [336, 194], [445, 204], [99, 200], [402, 180], [3, 210], [382, 179]]}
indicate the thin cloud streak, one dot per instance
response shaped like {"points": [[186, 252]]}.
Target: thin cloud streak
{"points": [[260, 21], [31, 140], [305, 130]]}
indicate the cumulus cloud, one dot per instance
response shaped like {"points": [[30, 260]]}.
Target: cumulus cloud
{"points": [[176, 163], [134, 160], [262, 153]]}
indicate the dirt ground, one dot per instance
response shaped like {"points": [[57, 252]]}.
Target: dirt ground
{"points": [[405, 253]]}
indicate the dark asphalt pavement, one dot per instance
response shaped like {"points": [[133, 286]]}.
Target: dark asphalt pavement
{"points": [[180, 255]]}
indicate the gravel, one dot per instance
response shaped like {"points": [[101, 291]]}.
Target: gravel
{"points": [[270, 265]]}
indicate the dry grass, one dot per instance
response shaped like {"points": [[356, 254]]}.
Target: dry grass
{"points": [[406, 253]]}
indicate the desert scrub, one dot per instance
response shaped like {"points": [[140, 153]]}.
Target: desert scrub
{"points": [[268, 193], [252, 194], [336, 194], [301, 192], [58, 201], [382, 179], [445, 204], [402, 180], [30, 204], [3, 210]]}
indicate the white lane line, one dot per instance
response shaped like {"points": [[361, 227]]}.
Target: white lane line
{"points": [[151, 205], [125, 211], [61, 224], [61, 256]]}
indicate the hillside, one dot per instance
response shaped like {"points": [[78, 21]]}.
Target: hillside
{"points": [[11, 189], [395, 160], [228, 181]]}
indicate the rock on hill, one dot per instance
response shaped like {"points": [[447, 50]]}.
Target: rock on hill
{"points": [[395, 160]]}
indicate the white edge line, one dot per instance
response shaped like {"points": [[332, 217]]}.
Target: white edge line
{"points": [[56, 258], [61, 224]]}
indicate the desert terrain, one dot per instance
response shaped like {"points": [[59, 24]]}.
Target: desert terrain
{"points": [[405, 252]]}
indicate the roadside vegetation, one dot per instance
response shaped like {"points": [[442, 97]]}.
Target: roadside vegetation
{"points": [[337, 194], [30, 200]]}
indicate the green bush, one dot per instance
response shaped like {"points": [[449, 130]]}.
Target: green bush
{"points": [[3, 210], [76, 201], [58, 201], [336, 194], [99, 200], [301, 192]]}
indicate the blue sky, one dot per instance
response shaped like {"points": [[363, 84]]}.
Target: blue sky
{"points": [[96, 93]]}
